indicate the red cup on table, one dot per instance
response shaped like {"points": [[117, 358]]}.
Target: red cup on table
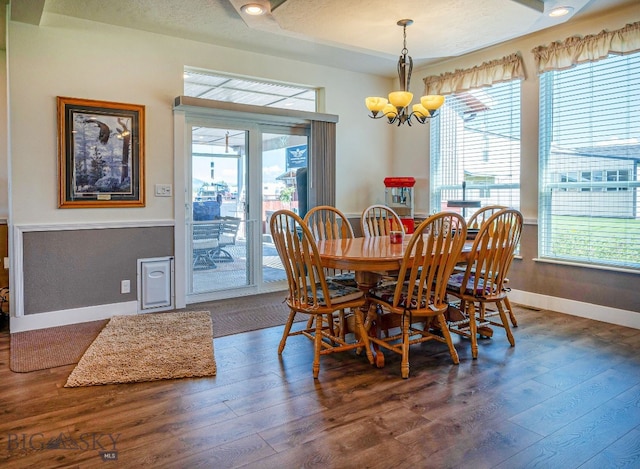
{"points": [[395, 237]]}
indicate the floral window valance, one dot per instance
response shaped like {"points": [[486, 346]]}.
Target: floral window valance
{"points": [[496, 71], [575, 50]]}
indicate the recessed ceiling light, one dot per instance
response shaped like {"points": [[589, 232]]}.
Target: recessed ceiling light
{"points": [[560, 11], [253, 9]]}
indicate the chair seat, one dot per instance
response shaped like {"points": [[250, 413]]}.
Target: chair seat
{"points": [[337, 293], [386, 292], [454, 285]]}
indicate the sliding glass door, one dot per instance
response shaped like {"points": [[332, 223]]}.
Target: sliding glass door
{"points": [[237, 177]]}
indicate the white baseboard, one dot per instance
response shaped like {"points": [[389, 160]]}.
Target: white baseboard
{"points": [[620, 317], [71, 316]]}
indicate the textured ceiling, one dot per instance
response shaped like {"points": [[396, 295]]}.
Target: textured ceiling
{"points": [[353, 34]]}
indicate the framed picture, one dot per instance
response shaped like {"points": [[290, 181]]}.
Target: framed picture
{"points": [[100, 154]]}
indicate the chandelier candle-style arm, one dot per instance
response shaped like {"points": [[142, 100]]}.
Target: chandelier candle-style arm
{"points": [[396, 108]]}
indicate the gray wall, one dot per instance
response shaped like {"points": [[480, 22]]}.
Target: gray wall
{"points": [[596, 286], [79, 268]]}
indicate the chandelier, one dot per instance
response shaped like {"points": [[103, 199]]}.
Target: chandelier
{"points": [[396, 108]]}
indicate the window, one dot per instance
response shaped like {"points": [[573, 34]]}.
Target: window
{"points": [[210, 85], [475, 148], [589, 155]]}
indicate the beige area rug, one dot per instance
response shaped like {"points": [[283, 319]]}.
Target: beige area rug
{"points": [[148, 347]]}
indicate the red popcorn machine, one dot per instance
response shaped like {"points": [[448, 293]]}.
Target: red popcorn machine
{"points": [[398, 195]]}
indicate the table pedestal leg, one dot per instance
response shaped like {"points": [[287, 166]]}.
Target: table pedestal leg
{"points": [[366, 281]]}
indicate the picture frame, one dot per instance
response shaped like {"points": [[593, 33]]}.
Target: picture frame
{"points": [[100, 154]]}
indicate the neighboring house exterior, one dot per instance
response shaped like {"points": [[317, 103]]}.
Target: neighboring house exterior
{"points": [[606, 178]]}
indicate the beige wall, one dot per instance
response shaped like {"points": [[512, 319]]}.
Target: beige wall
{"points": [[75, 58]]}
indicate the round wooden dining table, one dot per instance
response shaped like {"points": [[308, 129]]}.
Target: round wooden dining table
{"points": [[368, 257], [371, 259]]}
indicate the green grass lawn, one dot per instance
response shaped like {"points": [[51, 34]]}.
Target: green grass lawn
{"points": [[608, 240]]}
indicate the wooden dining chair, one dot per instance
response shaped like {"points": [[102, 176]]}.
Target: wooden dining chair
{"points": [[327, 222], [475, 222], [379, 220], [482, 281], [310, 293], [477, 219], [430, 256]]}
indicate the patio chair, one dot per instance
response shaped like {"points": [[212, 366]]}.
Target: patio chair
{"points": [[206, 244], [228, 234]]}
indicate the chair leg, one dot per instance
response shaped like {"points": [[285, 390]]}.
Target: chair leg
{"points": [[512, 317], [342, 324], [317, 346], [310, 322], [484, 331], [287, 329], [404, 365], [331, 325], [473, 329], [223, 255], [505, 323], [447, 336], [380, 312]]}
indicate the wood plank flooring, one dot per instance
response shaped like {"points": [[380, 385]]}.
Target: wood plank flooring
{"points": [[566, 396]]}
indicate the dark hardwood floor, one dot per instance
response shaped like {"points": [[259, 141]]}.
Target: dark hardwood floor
{"points": [[566, 396]]}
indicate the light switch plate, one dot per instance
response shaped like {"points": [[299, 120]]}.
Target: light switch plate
{"points": [[163, 190]]}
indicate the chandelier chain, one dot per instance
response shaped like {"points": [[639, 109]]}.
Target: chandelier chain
{"points": [[405, 51]]}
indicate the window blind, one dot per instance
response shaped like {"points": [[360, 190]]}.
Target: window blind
{"points": [[589, 153], [476, 141]]}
